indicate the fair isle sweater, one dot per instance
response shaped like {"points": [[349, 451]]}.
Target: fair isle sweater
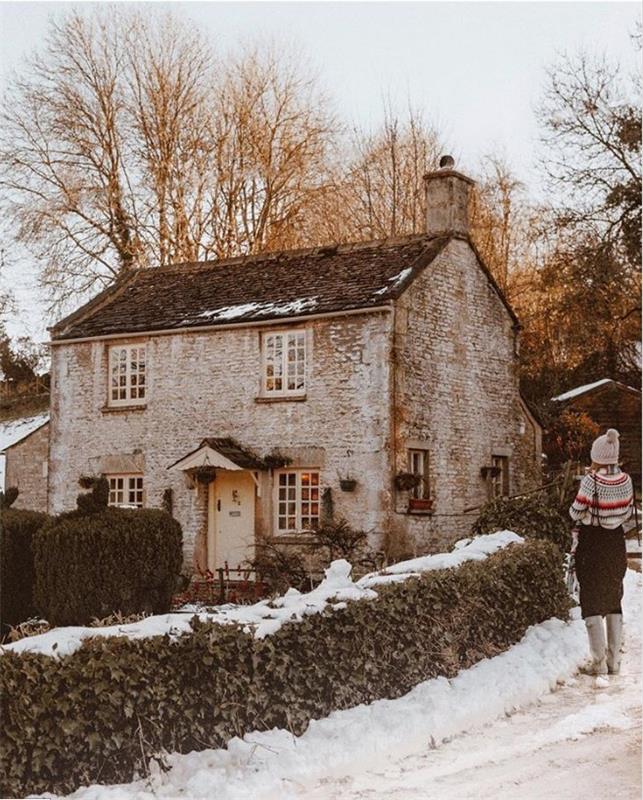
{"points": [[604, 498]]}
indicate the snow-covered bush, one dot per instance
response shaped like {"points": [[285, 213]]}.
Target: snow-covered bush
{"points": [[17, 528], [111, 561], [531, 516], [101, 712]]}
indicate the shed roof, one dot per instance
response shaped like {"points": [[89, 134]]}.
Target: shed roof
{"points": [[293, 283], [589, 388]]}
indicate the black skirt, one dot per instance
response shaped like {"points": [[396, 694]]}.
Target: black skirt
{"points": [[601, 561]]}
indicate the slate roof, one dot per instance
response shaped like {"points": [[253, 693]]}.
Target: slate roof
{"points": [[230, 449], [268, 286], [292, 283]]}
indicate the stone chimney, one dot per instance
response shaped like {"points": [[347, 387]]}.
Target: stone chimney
{"points": [[447, 200]]}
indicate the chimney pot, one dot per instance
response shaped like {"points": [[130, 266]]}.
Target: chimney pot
{"points": [[447, 200]]}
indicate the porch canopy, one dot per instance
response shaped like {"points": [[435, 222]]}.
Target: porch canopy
{"points": [[219, 454]]}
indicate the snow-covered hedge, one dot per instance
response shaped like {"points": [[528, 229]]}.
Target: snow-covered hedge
{"points": [[101, 712]]}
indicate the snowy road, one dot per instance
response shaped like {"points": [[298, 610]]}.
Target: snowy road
{"points": [[576, 743]]}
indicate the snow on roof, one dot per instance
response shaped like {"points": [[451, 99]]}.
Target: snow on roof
{"points": [[15, 431], [267, 616], [290, 308], [588, 387]]}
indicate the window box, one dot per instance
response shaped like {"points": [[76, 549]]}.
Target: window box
{"points": [[420, 504]]}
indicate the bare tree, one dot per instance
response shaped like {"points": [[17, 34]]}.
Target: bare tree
{"points": [[383, 185], [591, 131], [126, 143]]}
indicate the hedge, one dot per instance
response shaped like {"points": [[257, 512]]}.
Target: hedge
{"points": [[17, 528], [100, 714], [115, 560], [530, 516]]}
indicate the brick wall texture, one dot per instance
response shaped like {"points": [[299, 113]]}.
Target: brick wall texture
{"points": [[26, 468], [440, 369]]}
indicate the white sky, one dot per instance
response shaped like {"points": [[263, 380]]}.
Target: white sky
{"points": [[476, 69]]}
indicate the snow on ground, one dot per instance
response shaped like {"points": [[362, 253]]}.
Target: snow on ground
{"points": [[503, 729], [267, 616], [13, 431]]}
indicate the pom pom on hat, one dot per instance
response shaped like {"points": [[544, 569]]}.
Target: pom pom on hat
{"points": [[605, 448]]}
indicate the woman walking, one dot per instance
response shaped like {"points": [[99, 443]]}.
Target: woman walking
{"points": [[605, 501]]}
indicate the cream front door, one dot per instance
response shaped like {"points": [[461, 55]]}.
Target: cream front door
{"points": [[231, 519]]}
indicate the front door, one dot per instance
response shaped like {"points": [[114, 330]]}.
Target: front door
{"points": [[231, 519]]}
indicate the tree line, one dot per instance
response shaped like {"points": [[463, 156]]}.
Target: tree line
{"points": [[128, 141]]}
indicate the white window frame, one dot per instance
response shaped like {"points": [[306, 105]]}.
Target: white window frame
{"points": [[419, 465], [132, 384], [500, 483], [285, 335], [302, 495], [127, 489]]}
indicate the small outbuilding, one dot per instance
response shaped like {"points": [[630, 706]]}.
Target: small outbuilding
{"points": [[612, 405], [24, 453]]}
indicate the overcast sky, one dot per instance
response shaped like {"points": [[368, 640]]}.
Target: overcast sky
{"points": [[476, 69]]}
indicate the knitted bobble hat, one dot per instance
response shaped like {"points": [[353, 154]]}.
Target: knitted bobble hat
{"points": [[605, 448]]}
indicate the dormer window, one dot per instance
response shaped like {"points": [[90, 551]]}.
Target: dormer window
{"points": [[127, 375], [284, 363]]}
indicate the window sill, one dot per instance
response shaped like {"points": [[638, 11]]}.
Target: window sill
{"points": [[420, 512], [282, 398], [117, 409], [305, 538]]}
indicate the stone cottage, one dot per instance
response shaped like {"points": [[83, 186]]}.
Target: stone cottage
{"points": [[254, 394]]}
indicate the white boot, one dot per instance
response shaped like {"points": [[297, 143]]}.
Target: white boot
{"points": [[597, 647], [614, 640]]}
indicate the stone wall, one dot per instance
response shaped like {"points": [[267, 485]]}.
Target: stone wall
{"points": [[206, 384], [456, 394], [26, 468]]}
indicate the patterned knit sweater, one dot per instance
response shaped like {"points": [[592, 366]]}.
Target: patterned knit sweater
{"points": [[604, 498]]}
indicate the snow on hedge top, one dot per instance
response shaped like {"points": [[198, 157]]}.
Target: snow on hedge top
{"points": [[267, 616], [465, 550]]}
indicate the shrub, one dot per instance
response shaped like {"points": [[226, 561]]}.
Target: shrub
{"points": [[114, 561], [530, 516], [17, 528], [95, 501], [101, 713], [8, 497]]}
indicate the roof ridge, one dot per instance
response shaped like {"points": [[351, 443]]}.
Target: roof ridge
{"points": [[276, 255]]}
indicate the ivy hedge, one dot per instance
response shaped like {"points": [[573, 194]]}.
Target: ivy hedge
{"points": [[531, 516], [100, 714], [17, 529], [111, 560]]}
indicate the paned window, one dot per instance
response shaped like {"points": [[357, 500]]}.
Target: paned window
{"points": [[500, 476], [297, 501], [284, 363], [419, 465], [126, 490], [127, 375]]}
